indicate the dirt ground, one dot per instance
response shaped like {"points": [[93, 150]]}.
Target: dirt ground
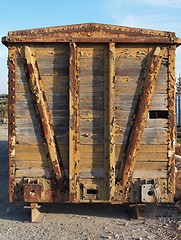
{"points": [[81, 221]]}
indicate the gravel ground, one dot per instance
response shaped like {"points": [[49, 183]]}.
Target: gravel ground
{"points": [[81, 221]]}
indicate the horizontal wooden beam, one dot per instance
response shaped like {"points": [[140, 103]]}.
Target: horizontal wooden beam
{"points": [[123, 39]]}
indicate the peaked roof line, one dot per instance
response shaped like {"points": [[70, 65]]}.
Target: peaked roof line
{"points": [[91, 32], [92, 26]]}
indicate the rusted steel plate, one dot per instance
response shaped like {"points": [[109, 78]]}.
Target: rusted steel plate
{"points": [[32, 192]]}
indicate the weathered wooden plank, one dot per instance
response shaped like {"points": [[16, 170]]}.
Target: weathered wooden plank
{"points": [[89, 104], [59, 105], [93, 81], [155, 136], [48, 71], [36, 152], [132, 69], [149, 174], [33, 173], [91, 139], [51, 98], [122, 124], [52, 80], [142, 157], [153, 148], [91, 156], [121, 97], [57, 115], [150, 136], [91, 165], [90, 89], [35, 133], [131, 50], [30, 156], [87, 114], [157, 123], [88, 149], [49, 50], [151, 166], [91, 51], [92, 173], [92, 126], [31, 164], [152, 156]]}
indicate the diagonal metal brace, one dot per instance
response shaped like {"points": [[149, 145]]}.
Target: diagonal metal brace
{"points": [[149, 82], [43, 114]]}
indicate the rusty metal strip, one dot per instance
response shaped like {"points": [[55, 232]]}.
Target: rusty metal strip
{"points": [[11, 121], [171, 122], [112, 120], [44, 116], [152, 70], [74, 148]]}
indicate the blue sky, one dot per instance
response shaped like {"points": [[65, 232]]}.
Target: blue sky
{"points": [[151, 14]]}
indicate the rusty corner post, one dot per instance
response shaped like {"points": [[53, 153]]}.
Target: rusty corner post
{"points": [[149, 81], [11, 117], [44, 116]]}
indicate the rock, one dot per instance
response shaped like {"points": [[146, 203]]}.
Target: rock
{"points": [[179, 225]]}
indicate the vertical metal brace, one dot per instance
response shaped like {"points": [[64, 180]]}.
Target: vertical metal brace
{"points": [[112, 120], [43, 113], [74, 148], [171, 122], [152, 70]]}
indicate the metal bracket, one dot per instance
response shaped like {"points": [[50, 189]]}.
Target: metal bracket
{"points": [[148, 193], [32, 192]]}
